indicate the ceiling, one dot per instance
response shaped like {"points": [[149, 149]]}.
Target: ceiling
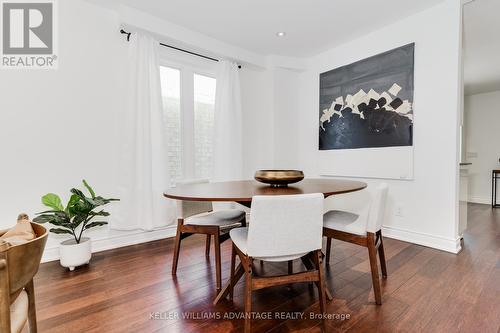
{"points": [[311, 26], [481, 46]]}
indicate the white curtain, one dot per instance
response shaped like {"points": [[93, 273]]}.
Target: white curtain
{"points": [[227, 144], [143, 169]]}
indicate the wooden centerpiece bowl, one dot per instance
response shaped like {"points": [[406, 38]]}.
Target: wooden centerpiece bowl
{"points": [[279, 178]]}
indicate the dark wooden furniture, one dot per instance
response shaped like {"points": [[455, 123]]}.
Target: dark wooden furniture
{"points": [[18, 266], [374, 243], [219, 234], [255, 282], [243, 191], [429, 293], [495, 175]]}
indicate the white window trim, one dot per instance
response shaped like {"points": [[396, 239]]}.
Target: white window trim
{"points": [[188, 66]]}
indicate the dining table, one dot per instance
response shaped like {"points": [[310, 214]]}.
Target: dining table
{"points": [[242, 191]]}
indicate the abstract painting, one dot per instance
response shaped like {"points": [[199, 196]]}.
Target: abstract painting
{"points": [[368, 104]]}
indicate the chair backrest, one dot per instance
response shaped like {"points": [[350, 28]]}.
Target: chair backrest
{"points": [[369, 205], [357, 202], [377, 208], [18, 266], [186, 208], [285, 225], [23, 260]]}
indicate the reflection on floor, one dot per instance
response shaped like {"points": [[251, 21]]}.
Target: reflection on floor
{"points": [[131, 289]]}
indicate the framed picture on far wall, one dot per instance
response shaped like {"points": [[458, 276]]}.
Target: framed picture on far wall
{"points": [[369, 103]]}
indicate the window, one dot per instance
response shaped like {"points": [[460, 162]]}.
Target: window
{"points": [[188, 105], [204, 102], [171, 95]]}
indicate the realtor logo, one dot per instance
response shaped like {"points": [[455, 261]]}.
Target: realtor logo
{"points": [[28, 34]]}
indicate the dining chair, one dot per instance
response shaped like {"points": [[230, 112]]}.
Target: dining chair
{"points": [[361, 223], [18, 266], [282, 228], [198, 217]]}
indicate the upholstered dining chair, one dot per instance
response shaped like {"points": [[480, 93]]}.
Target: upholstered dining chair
{"points": [[282, 228], [18, 266], [198, 217], [361, 223]]}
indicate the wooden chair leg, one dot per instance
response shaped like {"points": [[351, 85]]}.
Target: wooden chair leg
{"points": [[207, 246], [30, 290], [177, 248], [328, 249], [290, 270], [233, 265], [318, 260], [381, 256], [248, 297], [372, 252], [218, 277]]}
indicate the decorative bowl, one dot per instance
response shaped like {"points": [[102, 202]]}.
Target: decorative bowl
{"points": [[279, 178]]}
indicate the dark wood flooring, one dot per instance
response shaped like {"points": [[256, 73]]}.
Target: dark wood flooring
{"points": [[427, 290]]}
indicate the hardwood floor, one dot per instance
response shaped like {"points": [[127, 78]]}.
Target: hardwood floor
{"points": [[426, 291]]}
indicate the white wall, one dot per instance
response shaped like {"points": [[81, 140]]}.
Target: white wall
{"points": [[286, 98], [58, 126], [258, 124], [182, 37], [482, 138], [428, 204]]}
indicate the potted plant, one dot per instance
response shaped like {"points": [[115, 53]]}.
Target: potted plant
{"points": [[78, 216]]}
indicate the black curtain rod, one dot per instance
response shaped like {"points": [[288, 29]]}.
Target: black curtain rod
{"points": [[176, 48]]}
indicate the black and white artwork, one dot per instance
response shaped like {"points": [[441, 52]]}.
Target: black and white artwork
{"points": [[368, 104]]}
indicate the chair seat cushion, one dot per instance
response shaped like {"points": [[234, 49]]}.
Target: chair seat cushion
{"points": [[19, 312], [221, 218], [345, 221], [239, 238]]}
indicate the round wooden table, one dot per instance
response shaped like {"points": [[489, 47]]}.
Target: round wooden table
{"points": [[243, 191]]}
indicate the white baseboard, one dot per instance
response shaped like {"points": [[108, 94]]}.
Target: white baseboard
{"points": [[116, 241], [436, 242], [440, 243], [480, 200]]}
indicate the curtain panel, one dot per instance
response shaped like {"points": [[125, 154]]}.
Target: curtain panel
{"points": [[143, 167], [227, 143]]}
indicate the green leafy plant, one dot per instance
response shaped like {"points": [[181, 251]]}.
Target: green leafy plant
{"points": [[78, 214]]}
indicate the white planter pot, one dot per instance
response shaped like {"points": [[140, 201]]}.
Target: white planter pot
{"points": [[73, 254]]}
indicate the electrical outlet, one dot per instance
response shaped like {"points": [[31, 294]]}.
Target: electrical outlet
{"points": [[399, 211]]}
